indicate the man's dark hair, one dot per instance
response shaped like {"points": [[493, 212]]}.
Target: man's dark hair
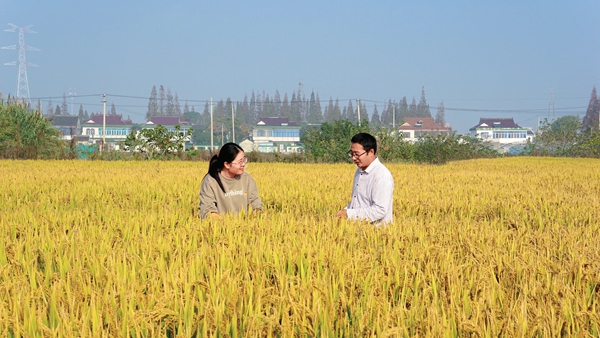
{"points": [[367, 141]]}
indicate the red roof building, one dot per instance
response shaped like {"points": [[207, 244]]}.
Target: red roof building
{"points": [[415, 127]]}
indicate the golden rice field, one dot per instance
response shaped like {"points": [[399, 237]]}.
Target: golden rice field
{"points": [[484, 248]]}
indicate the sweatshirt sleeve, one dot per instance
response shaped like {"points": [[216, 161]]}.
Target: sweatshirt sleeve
{"points": [[208, 200], [253, 198]]}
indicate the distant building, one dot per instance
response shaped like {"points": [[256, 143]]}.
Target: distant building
{"points": [[276, 134], [248, 146], [503, 134], [117, 129], [501, 131], [68, 125], [415, 127], [169, 122]]}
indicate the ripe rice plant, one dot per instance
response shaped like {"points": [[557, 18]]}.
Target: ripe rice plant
{"points": [[493, 247]]}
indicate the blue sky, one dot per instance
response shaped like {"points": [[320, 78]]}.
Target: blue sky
{"points": [[481, 58]]}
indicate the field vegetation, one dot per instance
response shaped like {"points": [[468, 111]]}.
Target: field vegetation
{"points": [[488, 247]]}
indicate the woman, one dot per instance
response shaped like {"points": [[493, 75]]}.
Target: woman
{"points": [[227, 188]]}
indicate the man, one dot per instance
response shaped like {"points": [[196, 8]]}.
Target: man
{"points": [[373, 186]]}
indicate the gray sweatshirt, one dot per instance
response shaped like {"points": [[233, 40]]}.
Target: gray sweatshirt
{"points": [[240, 193]]}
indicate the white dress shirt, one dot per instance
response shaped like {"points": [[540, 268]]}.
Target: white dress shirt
{"points": [[372, 194]]}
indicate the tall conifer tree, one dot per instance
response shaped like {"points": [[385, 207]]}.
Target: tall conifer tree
{"points": [[63, 107], [50, 108], [375, 117], [423, 107], [286, 109], [590, 120], [177, 105], [161, 100], [152, 104], [412, 109], [440, 116]]}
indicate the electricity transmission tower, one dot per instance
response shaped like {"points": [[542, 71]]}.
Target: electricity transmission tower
{"points": [[22, 84], [551, 106]]}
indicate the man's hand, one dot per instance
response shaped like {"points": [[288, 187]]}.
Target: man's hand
{"points": [[214, 215], [342, 214]]}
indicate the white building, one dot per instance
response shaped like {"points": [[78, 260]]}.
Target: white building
{"points": [[117, 129], [276, 134], [503, 131]]}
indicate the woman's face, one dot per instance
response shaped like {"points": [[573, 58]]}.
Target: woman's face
{"points": [[237, 166]]}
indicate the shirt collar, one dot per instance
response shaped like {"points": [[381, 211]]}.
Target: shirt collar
{"points": [[372, 165]]}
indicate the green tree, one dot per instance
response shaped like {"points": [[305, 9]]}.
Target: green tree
{"points": [[423, 107], [440, 117], [152, 104], [177, 110], [161, 101], [402, 111], [286, 109], [26, 134], [186, 108], [158, 142], [170, 107], [63, 106], [590, 120], [315, 114], [330, 142], [375, 121], [412, 109], [557, 137], [49, 108], [588, 144], [193, 116], [386, 114]]}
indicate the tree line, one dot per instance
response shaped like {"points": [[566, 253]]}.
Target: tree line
{"points": [[299, 108], [26, 134]]}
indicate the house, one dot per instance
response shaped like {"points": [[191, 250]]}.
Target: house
{"points": [[68, 125], [415, 127], [247, 146], [276, 134], [503, 131], [169, 122], [117, 129]]}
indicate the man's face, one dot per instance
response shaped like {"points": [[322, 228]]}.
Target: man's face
{"points": [[361, 158]]}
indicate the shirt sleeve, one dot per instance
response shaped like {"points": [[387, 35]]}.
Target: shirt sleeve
{"points": [[253, 198], [208, 200], [381, 197]]}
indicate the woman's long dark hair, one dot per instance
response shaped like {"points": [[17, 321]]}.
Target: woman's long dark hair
{"points": [[227, 153]]}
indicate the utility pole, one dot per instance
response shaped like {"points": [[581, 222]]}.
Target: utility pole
{"points": [[232, 123], [358, 110], [103, 121], [72, 93], [212, 144]]}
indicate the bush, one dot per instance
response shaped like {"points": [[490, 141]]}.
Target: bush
{"points": [[26, 134]]}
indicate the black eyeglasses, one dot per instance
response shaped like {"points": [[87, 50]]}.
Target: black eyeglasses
{"points": [[352, 155]]}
